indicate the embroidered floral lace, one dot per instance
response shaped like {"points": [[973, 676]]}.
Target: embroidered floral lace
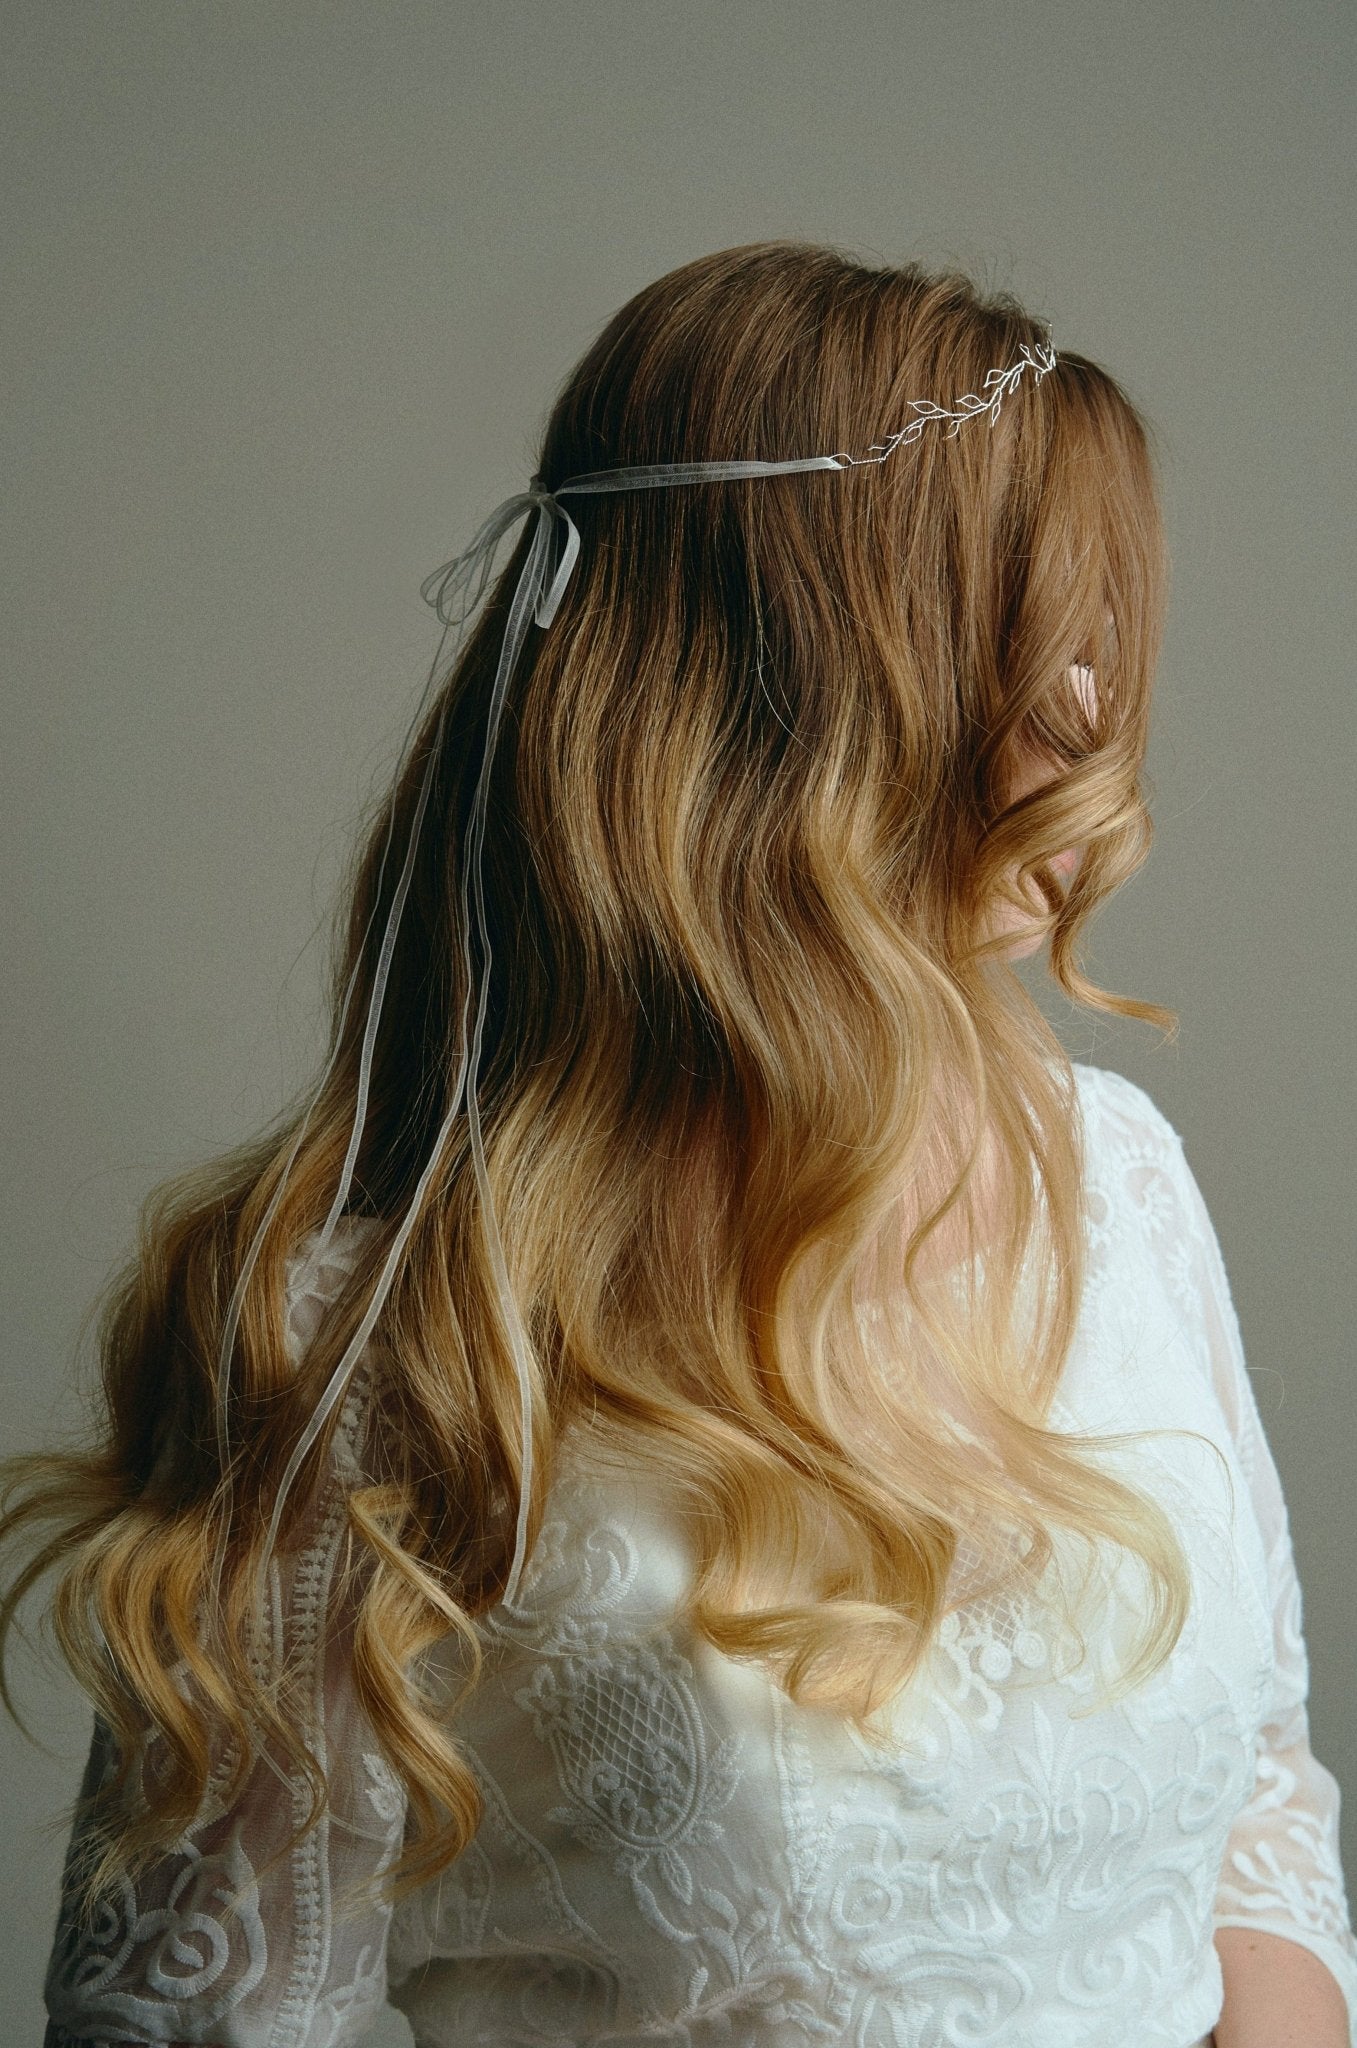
{"points": [[672, 1852]]}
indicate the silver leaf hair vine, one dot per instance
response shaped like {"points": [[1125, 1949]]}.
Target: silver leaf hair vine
{"points": [[454, 591]]}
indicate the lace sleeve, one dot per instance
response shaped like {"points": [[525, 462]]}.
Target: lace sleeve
{"points": [[301, 1963], [1281, 1872]]}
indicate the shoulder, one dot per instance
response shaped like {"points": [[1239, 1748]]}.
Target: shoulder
{"points": [[1137, 1176], [1120, 1119], [1141, 1189]]}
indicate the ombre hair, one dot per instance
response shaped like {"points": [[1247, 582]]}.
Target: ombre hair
{"points": [[756, 1064]]}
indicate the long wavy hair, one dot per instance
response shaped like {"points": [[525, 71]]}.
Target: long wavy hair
{"points": [[756, 1059]]}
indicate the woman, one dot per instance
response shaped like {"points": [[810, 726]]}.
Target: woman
{"points": [[732, 1512]]}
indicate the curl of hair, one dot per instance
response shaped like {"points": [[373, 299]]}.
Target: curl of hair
{"points": [[755, 1058]]}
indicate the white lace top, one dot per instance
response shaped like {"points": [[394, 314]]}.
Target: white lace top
{"points": [[672, 1852]]}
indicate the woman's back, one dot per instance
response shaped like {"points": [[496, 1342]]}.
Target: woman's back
{"points": [[672, 1850], [630, 1585]]}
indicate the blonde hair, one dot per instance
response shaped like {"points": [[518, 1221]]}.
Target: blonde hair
{"points": [[754, 1057]]}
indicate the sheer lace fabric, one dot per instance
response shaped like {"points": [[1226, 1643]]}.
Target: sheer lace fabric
{"points": [[672, 1851]]}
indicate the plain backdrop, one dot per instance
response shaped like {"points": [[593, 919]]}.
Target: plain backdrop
{"points": [[287, 291]]}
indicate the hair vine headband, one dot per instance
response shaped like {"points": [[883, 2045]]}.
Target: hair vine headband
{"points": [[454, 591]]}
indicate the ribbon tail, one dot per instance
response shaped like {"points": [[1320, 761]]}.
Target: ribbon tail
{"points": [[550, 602], [527, 597], [528, 600]]}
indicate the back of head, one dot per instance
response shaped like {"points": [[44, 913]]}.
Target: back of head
{"points": [[763, 693], [919, 615]]}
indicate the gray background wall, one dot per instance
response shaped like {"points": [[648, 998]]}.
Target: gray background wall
{"points": [[287, 289]]}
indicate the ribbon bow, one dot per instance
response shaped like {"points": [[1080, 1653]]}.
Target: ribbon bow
{"points": [[455, 589]]}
